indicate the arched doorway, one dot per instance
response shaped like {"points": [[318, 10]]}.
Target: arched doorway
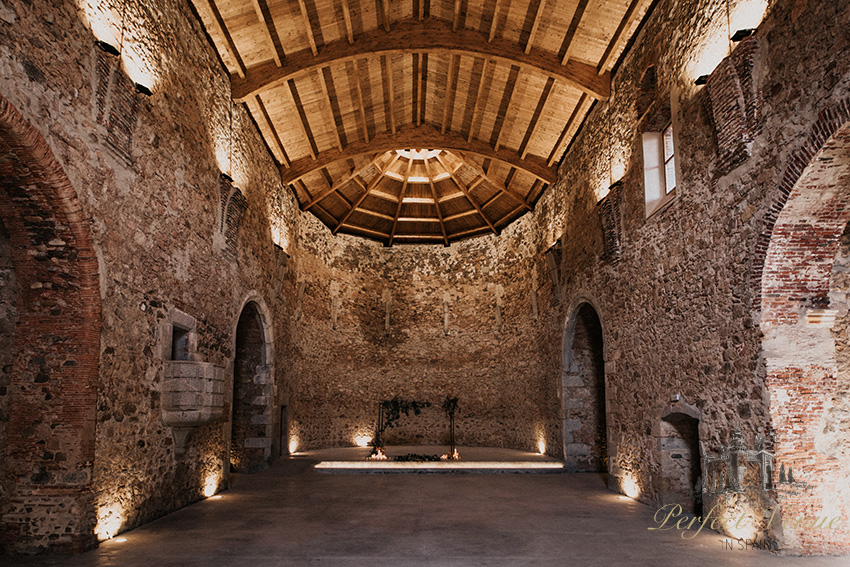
{"points": [[799, 346], [50, 303], [253, 394], [583, 393], [677, 439]]}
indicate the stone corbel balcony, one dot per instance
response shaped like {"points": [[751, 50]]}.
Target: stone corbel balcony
{"points": [[192, 395]]}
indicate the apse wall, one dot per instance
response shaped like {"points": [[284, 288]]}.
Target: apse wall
{"points": [[179, 249], [679, 291], [422, 323]]}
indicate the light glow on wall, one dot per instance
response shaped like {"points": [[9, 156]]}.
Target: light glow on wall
{"points": [[109, 521], [746, 14], [362, 439], [293, 444], [211, 484], [715, 44], [541, 446], [741, 523], [103, 20], [629, 486]]}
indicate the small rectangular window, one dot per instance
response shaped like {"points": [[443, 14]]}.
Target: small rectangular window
{"points": [[179, 344], [669, 160]]}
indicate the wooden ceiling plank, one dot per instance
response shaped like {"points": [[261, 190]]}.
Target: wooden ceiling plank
{"points": [[436, 202], [619, 36], [346, 16], [568, 44], [308, 27], [389, 91], [535, 118], [366, 191], [400, 200], [448, 103], [425, 136], [469, 198], [534, 26], [563, 139], [264, 115], [494, 21], [303, 122], [429, 36], [261, 8], [229, 46], [479, 95], [328, 109]]}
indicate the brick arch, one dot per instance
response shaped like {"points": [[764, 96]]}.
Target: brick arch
{"points": [[53, 391], [798, 349]]}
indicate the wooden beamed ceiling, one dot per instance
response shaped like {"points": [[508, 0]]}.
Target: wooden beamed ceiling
{"points": [[501, 86]]}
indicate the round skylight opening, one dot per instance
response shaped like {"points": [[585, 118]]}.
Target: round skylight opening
{"points": [[418, 154]]}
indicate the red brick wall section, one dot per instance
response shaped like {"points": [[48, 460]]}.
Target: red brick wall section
{"points": [[51, 428], [798, 263]]}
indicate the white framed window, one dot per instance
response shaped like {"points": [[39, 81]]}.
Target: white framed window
{"points": [[659, 168]]}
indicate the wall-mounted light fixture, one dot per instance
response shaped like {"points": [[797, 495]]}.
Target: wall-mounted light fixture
{"points": [[107, 48], [740, 35], [142, 89], [701, 80]]}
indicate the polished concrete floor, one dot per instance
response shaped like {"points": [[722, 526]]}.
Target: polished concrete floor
{"points": [[293, 515]]}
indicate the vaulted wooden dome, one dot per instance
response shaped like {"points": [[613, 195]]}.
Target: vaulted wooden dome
{"points": [[339, 87]]}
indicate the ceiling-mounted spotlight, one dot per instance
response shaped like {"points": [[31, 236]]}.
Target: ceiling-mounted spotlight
{"points": [[740, 35], [142, 89], [701, 80], [107, 48], [226, 178]]}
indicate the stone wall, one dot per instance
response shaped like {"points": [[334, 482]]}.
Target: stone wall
{"points": [[8, 320]]}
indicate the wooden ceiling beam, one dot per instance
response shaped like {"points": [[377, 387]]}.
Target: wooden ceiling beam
{"points": [[479, 98], [429, 36], [262, 10], [308, 27], [303, 122], [448, 102], [469, 198], [389, 91], [366, 191], [461, 215], [578, 112], [619, 36], [221, 28], [328, 110], [266, 119], [534, 26], [456, 16], [360, 105], [494, 21], [400, 200], [503, 189], [385, 14], [425, 136], [504, 109], [349, 28], [436, 202], [535, 118], [568, 43]]}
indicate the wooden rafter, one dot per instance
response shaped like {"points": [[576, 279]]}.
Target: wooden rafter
{"points": [[266, 119], [431, 36], [303, 122], [578, 112], [389, 91], [568, 43], [534, 26], [366, 191], [456, 16], [448, 101], [221, 28], [308, 27], [619, 35], [262, 10], [328, 109], [385, 14], [346, 16], [436, 202], [503, 188], [425, 136], [535, 118], [465, 191], [400, 200], [493, 22], [479, 96], [423, 87], [360, 105], [504, 108]]}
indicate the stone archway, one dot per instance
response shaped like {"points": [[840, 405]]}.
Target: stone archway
{"points": [[678, 453], [52, 374], [583, 392], [798, 345], [252, 427]]}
